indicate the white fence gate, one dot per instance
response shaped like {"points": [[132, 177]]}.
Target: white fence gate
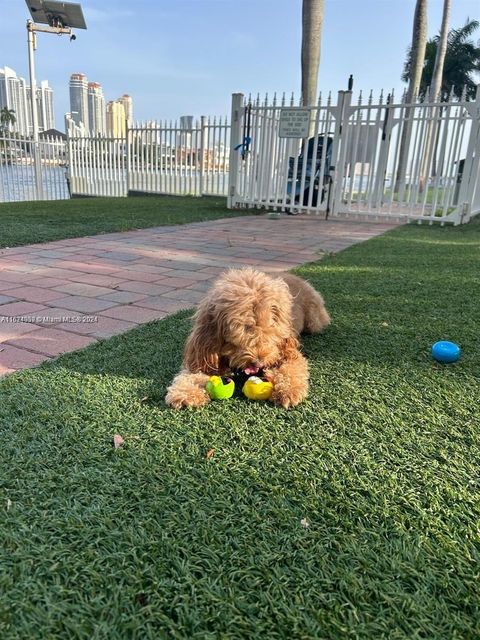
{"points": [[388, 159], [19, 156]]}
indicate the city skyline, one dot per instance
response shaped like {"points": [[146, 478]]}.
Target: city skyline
{"points": [[89, 111], [91, 114], [191, 55]]}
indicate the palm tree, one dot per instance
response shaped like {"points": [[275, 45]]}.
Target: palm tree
{"points": [[462, 60], [435, 94], [312, 20], [7, 118], [441, 52], [417, 50], [417, 56]]}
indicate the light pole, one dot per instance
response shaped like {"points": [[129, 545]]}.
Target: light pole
{"points": [[48, 16], [33, 106]]}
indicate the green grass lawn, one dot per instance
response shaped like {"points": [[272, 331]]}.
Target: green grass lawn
{"points": [[156, 540], [27, 222]]}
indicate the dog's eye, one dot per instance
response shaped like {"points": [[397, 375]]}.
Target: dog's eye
{"points": [[249, 328]]}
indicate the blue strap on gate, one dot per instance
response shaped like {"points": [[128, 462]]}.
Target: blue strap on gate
{"points": [[243, 145]]}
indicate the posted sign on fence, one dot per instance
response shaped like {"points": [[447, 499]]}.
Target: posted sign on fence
{"points": [[294, 122]]}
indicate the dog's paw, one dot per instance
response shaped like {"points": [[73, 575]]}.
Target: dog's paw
{"points": [[187, 390], [288, 398], [177, 399], [287, 392]]}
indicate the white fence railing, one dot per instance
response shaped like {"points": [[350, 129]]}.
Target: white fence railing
{"points": [[98, 166], [167, 158], [417, 161], [157, 157], [18, 178], [383, 159]]}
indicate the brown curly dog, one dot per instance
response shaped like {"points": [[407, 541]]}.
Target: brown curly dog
{"points": [[250, 321]]}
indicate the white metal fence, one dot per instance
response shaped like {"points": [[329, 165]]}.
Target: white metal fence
{"points": [[417, 161], [384, 158], [18, 179], [97, 166], [155, 157], [167, 158]]}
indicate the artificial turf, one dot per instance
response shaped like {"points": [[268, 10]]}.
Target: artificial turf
{"points": [[354, 515], [28, 222]]}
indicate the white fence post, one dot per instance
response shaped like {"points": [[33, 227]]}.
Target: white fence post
{"points": [[383, 148], [127, 156], [235, 140], [342, 115], [471, 169], [69, 163], [37, 165], [203, 136]]}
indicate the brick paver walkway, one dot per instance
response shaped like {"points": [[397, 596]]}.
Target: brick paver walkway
{"points": [[64, 295]]}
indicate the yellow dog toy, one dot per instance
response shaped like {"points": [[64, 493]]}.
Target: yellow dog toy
{"points": [[257, 389]]}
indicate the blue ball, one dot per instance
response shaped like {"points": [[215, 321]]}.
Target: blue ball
{"points": [[445, 351]]}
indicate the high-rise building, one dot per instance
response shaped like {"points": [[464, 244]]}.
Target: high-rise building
{"points": [[127, 102], [13, 95], [88, 114], [97, 122], [116, 121], [186, 124], [46, 115], [44, 104], [79, 99]]}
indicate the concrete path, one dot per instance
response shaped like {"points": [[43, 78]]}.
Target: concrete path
{"points": [[64, 295]]}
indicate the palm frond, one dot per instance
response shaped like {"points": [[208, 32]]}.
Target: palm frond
{"points": [[462, 61]]}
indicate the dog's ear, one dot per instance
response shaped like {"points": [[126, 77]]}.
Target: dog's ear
{"points": [[202, 350], [290, 350]]}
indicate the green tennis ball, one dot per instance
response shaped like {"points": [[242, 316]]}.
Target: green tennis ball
{"points": [[220, 388]]}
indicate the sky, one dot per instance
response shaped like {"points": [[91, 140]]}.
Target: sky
{"points": [[186, 57]]}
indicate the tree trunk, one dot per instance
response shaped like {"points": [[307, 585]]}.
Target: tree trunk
{"points": [[419, 43], [441, 52], [312, 20], [435, 91]]}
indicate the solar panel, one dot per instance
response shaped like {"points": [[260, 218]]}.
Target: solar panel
{"points": [[57, 14]]}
